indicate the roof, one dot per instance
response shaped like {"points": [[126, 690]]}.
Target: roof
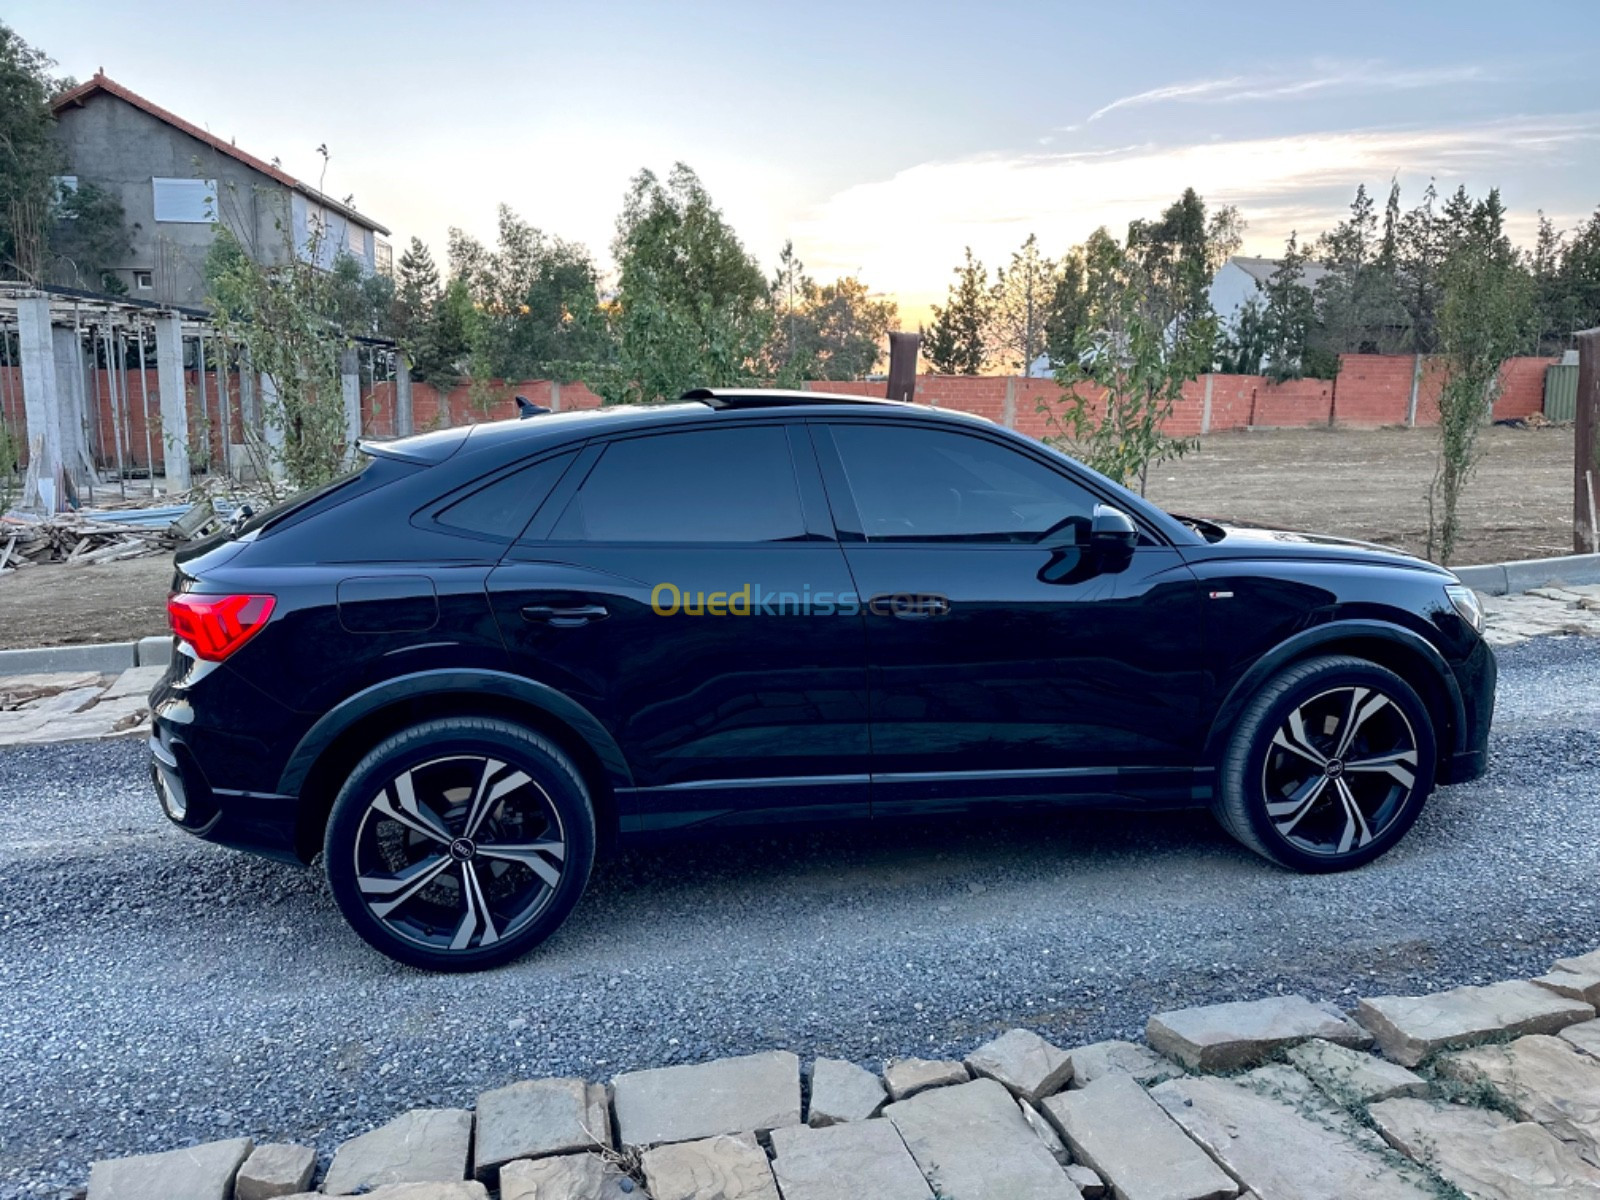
{"points": [[101, 82], [1263, 269]]}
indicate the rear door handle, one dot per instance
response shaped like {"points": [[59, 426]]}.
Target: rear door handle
{"points": [[564, 618]]}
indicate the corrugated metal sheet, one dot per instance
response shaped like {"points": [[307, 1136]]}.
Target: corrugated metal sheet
{"points": [[1561, 393]]}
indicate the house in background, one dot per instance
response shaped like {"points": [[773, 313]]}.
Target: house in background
{"points": [[1241, 280], [177, 182]]}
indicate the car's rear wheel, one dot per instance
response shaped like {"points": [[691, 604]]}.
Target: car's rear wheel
{"points": [[1329, 765], [460, 843]]}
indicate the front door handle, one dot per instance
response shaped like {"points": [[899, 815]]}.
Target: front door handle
{"points": [[564, 618], [909, 608]]}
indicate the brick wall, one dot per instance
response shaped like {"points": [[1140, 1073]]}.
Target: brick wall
{"points": [[1372, 390]]}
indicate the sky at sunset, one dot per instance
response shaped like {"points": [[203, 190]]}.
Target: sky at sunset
{"points": [[881, 138]]}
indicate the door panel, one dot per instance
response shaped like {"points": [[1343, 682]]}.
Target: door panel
{"points": [[1007, 658], [731, 675]]}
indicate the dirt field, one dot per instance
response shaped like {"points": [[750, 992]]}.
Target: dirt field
{"points": [[1366, 485], [1372, 485], [68, 606]]}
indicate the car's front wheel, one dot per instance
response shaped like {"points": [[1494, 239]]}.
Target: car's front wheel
{"points": [[460, 843], [1329, 765]]}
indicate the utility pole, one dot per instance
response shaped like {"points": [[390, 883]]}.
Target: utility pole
{"points": [[1586, 446]]}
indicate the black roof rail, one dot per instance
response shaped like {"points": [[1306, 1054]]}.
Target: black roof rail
{"points": [[720, 398]]}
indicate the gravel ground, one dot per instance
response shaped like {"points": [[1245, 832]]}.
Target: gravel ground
{"points": [[159, 990]]}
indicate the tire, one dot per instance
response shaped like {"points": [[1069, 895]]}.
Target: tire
{"points": [[460, 844], [1297, 787]]}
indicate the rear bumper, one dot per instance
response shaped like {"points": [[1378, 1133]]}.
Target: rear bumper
{"points": [[260, 822]]}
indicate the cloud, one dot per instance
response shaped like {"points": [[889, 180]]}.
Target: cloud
{"points": [[1325, 77], [905, 232]]}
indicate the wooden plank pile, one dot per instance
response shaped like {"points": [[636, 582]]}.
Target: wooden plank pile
{"points": [[78, 540]]}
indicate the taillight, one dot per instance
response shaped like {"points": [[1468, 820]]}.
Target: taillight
{"points": [[216, 626]]}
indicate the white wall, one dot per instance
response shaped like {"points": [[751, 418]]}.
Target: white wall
{"points": [[1231, 290]]}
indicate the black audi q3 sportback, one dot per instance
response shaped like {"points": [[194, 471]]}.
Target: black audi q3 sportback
{"points": [[460, 671]]}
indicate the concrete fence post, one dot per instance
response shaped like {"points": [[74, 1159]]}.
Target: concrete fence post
{"points": [[1416, 388], [555, 395], [271, 425], [41, 405], [174, 402], [350, 389], [404, 418], [1008, 411], [73, 406], [1205, 408]]}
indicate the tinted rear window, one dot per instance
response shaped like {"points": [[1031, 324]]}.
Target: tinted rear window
{"points": [[502, 509], [712, 485]]}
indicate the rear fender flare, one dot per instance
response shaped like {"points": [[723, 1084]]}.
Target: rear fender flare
{"points": [[547, 699]]}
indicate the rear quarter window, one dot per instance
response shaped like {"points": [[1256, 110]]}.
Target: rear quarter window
{"points": [[502, 508]]}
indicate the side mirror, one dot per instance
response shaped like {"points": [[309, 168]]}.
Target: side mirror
{"points": [[1112, 529]]}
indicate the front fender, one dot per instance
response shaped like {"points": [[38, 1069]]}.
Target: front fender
{"points": [[1307, 642], [444, 682]]}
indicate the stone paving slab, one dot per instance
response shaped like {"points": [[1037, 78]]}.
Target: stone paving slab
{"points": [[717, 1168], [1585, 1036], [1350, 1076], [841, 1091], [1115, 1127], [972, 1143], [566, 1177], [1486, 1154], [1260, 1131], [436, 1190], [1538, 613], [536, 1118], [846, 1162], [1226, 1037], [906, 1077], [755, 1093], [273, 1170], [204, 1172], [1544, 1079], [1101, 1058], [425, 1145], [1046, 1131], [1410, 1028], [1023, 1062]]}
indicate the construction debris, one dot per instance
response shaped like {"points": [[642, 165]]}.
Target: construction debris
{"points": [[79, 540]]}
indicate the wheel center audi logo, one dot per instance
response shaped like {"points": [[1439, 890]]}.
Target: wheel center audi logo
{"points": [[462, 849]]}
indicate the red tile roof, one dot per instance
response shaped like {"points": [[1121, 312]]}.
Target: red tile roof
{"points": [[101, 82]]}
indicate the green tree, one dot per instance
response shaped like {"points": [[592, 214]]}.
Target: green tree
{"points": [[1069, 306], [1019, 307], [286, 317], [89, 238], [1288, 315], [1357, 300], [789, 353], [29, 157], [692, 309], [955, 340], [537, 299], [849, 327], [417, 313], [1242, 347], [1139, 355], [1578, 279], [1484, 316]]}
